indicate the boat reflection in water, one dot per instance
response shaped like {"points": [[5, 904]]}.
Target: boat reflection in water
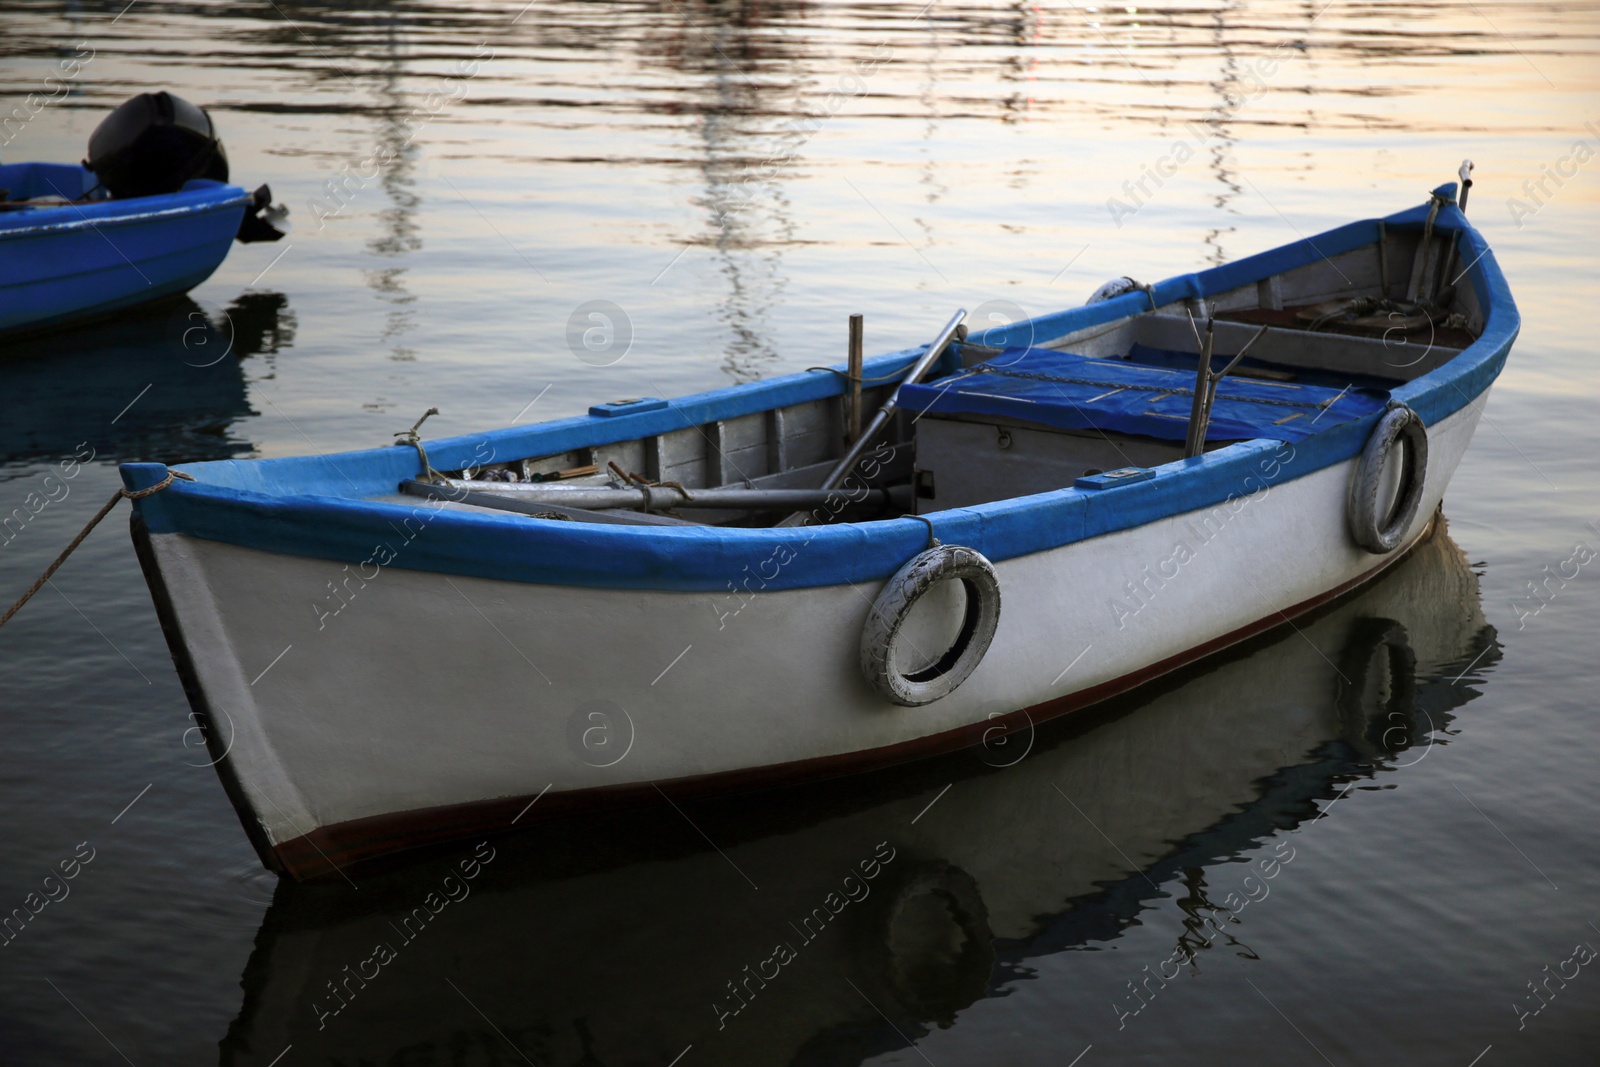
{"points": [[162, 382], [627, 938]]}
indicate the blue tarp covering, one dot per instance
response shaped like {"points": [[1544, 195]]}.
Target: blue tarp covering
{"points": [[1072, 392]]}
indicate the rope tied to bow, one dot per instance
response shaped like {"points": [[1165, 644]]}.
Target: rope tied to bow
{"points": [[414, 439], [105, 509]]}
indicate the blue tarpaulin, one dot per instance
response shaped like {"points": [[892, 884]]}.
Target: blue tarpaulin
{"points": [[1073, 392]]}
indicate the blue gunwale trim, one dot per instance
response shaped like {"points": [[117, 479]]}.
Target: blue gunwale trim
{"points": [[311, 505], [198, 196]]}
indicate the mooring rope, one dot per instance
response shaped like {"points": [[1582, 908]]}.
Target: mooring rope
{"points": [[933, 540], [131, 494], [414, 439]]}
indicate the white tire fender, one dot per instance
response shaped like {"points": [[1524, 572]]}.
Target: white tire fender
{"points": [[1375, 524], [880, 636]]}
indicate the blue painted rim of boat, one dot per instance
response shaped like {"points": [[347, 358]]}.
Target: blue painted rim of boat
{"points": [[198, 196], [311, 506]]}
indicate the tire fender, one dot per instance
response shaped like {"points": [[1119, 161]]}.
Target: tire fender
{"points": [[1364, 510], [926, 570]]}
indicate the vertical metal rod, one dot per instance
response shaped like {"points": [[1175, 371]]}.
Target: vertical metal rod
{"points": [[1205, 415], [853, 454], [1419, 262], [1215, 380], [1202, 385], [853, 403], [1383, 261], [1441, 282], [1465, 174], [881, 419]]}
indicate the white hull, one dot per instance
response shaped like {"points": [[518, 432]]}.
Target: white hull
{"points": [[1167, 782], [431, 694]]}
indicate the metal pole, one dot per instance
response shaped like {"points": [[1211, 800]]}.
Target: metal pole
{"points": [[853, 454], [1383, 261], [881, 419], [1216, 380], [1440, 284], [1202, 384], [642, 497], [1419, 261], [853, 404]]}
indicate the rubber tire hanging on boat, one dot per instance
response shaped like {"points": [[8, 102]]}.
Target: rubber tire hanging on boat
{"points": [[1364, 510], [941, 563]]}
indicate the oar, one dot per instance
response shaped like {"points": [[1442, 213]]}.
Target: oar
{"points": [[853, 455]]}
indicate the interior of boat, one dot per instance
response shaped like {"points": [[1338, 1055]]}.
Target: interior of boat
{"points": [[1290, 355], [30, 185]]}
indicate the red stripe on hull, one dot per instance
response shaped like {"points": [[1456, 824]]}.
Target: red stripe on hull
{"points": [[331, 848]]}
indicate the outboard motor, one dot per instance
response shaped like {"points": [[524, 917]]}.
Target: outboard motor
{"points": [[155, 142]]}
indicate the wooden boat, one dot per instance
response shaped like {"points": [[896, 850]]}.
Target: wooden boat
{"points": [[1201, 786], [1040, 516], [64, 258]]}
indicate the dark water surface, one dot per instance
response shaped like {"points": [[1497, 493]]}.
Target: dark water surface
{"points": [[1368, 841]]}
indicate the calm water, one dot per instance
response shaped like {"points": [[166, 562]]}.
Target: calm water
{"points": [[1252, 862]]}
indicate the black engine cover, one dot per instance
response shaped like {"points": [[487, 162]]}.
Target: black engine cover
{"points": [[154, 143]]}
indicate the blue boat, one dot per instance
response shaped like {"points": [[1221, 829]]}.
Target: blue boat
{"points": [[405, 645], [64, 258], [149, 215]]}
